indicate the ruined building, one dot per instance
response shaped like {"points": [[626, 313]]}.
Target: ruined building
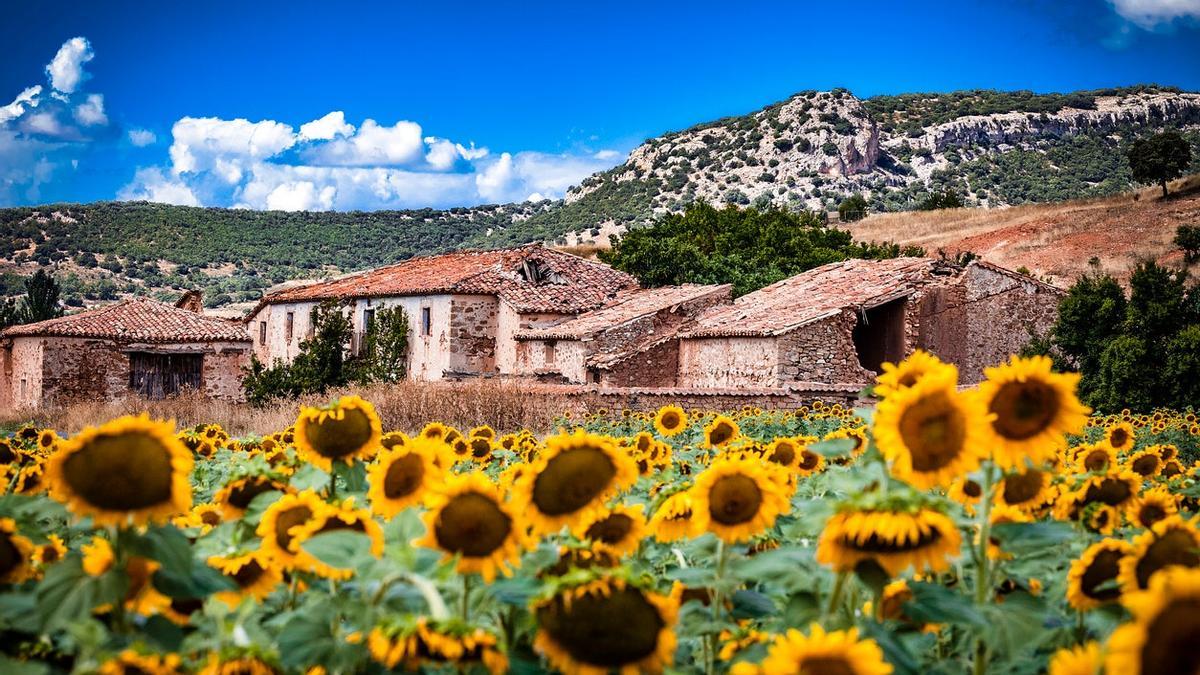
{"points": [[137, 346]]}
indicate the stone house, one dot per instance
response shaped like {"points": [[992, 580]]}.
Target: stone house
{"points": [[631, 341], [464, 308], [838, 323], [137, 346]]}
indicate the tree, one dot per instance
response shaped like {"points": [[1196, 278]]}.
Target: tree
{"points": [[384, 353], [41, 298], [1182, 367], [947, 199], [1187, 237], [1159, 158], [1091, 315], [852, 208]]}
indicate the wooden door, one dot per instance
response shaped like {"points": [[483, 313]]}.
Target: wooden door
{"points": [[157, 376]]}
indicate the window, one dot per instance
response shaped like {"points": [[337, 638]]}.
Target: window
{"points": [[426, 322], [262, 332], [291, 322], [368, 319], [549, 353], [24, 384]]}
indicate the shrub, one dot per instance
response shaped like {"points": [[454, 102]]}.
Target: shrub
{"points": [[852, 208], [1187, 237]]}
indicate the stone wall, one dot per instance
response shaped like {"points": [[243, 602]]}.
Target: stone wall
{"points": [[277, 345], [508, 322], [655, 367], [472, 342], [222, 371], [728, 362], [75, 369], [1004, 311], [822, 351], [22, 377]]}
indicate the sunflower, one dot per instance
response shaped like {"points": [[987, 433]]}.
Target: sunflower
{"points": [[342, 431], [1095, 457], [1083, 659], [400, 477], [735, 498], [131, 469], [617, 531], [203, 516], [575, 475], [810, 463], [16, 554], [467, 518], [673, 519], [930, 433], [254, 573], [98, 556], [435, 431], [30, 479], [783, 451], [1027, 490], [232, 664], [130, 662], [1153, 506], [1171, 468], [898, 377], [607, 624], [922, 538], [966, 491], [1120, 436], [393, 439], [481, 449], [1117, 488], [50, 552], [235, 496], [1092, 578], [795, 653], [333, 518], [1165, 628], [46, 441], [1145, 463], [281, 523], [483, 431], [720, 432], [1172, 541], [1166, 451], [1032, 410], [670, 420], [410, 645]]}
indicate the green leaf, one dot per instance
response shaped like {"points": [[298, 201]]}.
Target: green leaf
{"points": [[260, 503], [752, 605], [872, 575], [342, 549], [170, 548], [14, 667], [309, 477], [354, 476], [834, 447], [894, 651], [937, 604], [1033, 538], [67, 592]]}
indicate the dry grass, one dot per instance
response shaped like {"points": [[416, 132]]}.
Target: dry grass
{"points": [[406, 406]]}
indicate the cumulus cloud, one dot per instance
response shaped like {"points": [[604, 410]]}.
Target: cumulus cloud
{"points": [[1150, 14], [199, 143], [327, 128], [442, 155], [373, 145], [66, 70], [90, 113], [154, 185], [25, 100], [142, 137]]}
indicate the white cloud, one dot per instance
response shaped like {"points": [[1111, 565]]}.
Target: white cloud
{"points": [[153, 185], [472, 153], [301, 196], [1149, 14], [44, 123], [327, 128], [442, 155], [26, 99], [200, 141], [607, 155], [90, 113], [373, 145], [142, 137], [66, 70]]}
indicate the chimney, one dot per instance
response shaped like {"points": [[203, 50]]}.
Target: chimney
{"points": [[192, 301]]}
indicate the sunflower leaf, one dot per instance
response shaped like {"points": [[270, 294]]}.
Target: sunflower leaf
{"points": [[894, 650], [342, 549], [937, 604], [1033, 538], [834, 447], [752, 605]]}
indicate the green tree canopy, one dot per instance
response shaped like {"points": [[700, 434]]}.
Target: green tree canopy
{"points": [[1159, 158]]}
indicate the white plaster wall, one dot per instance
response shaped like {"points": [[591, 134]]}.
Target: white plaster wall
{"points": [[508, 322], [277, 345], [728, 362], [570, 358], [428, 355]]}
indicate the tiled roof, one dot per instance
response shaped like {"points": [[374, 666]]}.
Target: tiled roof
{"points": [[574, 284], [136, 320], [628, 305], [817, 294]]}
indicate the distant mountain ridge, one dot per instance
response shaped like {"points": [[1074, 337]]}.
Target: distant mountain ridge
{"points": [[809, 151]]}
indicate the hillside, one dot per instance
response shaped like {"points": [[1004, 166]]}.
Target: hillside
{"points": [[808, 152]]}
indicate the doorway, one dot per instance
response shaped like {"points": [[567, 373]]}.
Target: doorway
{"points": [[157, 376], [879, 335]]}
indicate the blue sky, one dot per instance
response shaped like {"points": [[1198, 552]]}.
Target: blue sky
{"points": [[397, 105]]}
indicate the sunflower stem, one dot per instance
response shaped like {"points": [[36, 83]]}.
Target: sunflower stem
{"points": [[839, 585], [718, 602], [466, 598], [332, 481], [983, 563]]}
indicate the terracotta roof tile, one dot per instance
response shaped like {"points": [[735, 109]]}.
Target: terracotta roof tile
{"points": [[628, 305], [136, 320], [574, 284], [816, 294]]}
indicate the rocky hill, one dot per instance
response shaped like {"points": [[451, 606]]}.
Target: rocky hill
{"points": [[808, 152]]}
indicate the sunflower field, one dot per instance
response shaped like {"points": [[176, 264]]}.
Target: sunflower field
{"points": [[997, 529]]}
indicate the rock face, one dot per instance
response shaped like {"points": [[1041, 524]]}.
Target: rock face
{"points": [[816, 148]]}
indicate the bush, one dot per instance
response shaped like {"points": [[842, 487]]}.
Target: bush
{"points": [[1187, 237], [852, 208]]}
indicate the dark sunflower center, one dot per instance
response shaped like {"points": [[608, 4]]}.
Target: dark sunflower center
{"points": [[611, 530], [139, 572], [403, 476], [972, 489], [1145, 465], [1167, 452], [733, 500], [934, 431], [10, 555], [121, 472], [286, 520], [1095, 460], [210, 518], [877, 543], [7, 454], [248, 574], [49, 555], [242, 494], [1104, 568], [1118, 437], [605, 631], [472, 524], [1170, 646], [1022, 487], [1172, 468], [785, 454], [722, 433], [46, 440], [826, 665], [809, 460], [1023, 409], [1150, 514], [480, 448], [670, 420], [1176, 547], [908, 379], [336, 438], [187, 606], [1111, 491], [571, 480]]}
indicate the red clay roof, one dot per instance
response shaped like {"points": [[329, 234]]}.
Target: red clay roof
{"points": [[628, 305], [136, 320], [817, 294], [576, 284]]}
